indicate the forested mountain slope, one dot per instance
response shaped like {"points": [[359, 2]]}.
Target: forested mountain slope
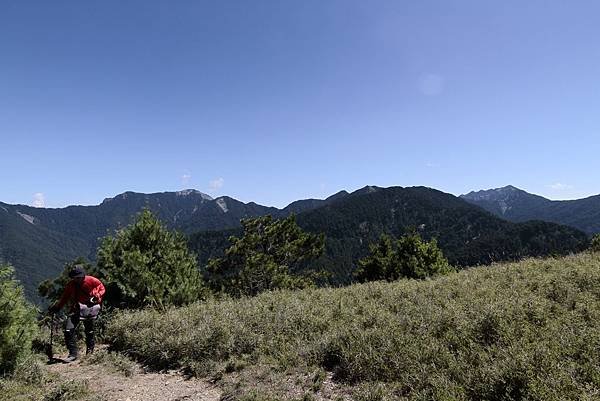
{"points": [[467, 234], [517, 205]]}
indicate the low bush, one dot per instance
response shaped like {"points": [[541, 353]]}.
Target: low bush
{"points": [[519, 331], [113, 361]]}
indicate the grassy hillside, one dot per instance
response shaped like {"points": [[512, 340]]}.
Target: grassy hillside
{"points": [[518, 331]]}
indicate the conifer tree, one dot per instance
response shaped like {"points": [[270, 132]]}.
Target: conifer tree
{"points": [[150, 266], [407, 257], [269, 255], [17, 322]]}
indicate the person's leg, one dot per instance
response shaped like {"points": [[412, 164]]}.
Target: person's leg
{"points": [[88, 325], [71, 336]]}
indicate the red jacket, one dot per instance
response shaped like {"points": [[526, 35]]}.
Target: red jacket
{"points": [[90, 287]]}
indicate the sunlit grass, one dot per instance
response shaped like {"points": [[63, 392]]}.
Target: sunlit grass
{"points": [[528, 330], [32, 381]]}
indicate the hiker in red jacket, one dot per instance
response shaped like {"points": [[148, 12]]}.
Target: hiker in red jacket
{"points": [[85, 295]]}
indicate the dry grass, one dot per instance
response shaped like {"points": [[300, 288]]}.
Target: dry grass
{"points": [[113, 361], [32, 381], [518, 331]]}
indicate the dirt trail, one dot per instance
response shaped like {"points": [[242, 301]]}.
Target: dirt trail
{"points": [[112, 385]]}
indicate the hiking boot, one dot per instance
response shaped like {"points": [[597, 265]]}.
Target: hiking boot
{"points": [[70, 358], [71, 343], [89, 342]]}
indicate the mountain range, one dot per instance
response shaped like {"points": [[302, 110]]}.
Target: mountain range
{"points": [[467, 234], [38, 241], [516, 205]]}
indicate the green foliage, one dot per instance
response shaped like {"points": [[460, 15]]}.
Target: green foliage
{"points": [[268, 256], [147, 265], [520, 331], [26, 381], [408, 257], [595, 245], [17, 322]]}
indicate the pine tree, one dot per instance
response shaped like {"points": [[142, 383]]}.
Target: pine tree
{"points": [[150, 266], [17, 322], [407, 257], [269, 255]]}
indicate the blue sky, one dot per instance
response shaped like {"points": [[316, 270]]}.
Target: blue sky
{"points": [[273, 101]]}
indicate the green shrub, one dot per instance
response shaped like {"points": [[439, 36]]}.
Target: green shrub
{"points": [[26, 382], [147, 265], [17, 322], [408, 257], [69, 390]]}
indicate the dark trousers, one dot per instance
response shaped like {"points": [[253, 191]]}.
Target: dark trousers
{"points": [[71, 333]]}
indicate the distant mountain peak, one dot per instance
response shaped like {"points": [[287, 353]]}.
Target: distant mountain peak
{"points": [[494, 193], [505, 201], [337, 195], [182, 193], [518, 206], [187, 192], [369, 189]]}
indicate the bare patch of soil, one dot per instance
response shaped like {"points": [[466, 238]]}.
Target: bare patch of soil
{"points": [[111, 385]]}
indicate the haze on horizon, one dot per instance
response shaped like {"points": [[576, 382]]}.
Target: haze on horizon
{"points": [[277, 101]]}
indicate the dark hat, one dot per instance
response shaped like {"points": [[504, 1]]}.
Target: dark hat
{"points": [[77, 271]]}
